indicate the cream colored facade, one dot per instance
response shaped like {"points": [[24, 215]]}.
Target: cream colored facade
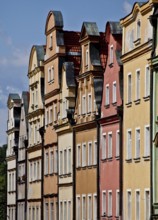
{"points": [[35, 122], [137, 45], [65, 141]]}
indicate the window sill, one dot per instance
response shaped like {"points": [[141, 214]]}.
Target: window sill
{"points": [[129, 160], [111, 64], [129, 104], [146, 98], [109, 159], [104, 160], [10, 192], [51, 81], [137, 101], [107, 105], [50, 48], [117, 157], [114, 103], [146, 158], [137, 42], [136, 160], [89, 166]]}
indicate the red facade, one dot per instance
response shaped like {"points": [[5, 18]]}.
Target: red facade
{"points": [[110, 126]]}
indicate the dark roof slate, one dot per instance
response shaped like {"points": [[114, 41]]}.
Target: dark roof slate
{"points": [[70, 77], [91, 28], [115, 27]]}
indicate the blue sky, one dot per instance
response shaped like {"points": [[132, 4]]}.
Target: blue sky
{"points": [[22, 24]]}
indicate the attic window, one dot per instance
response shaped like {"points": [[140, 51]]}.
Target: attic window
{"points": [[111, 54], [51, 42], [138, 29]]}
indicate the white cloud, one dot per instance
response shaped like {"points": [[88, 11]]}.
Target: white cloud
{"points": [[11, 89], [127, 7]]}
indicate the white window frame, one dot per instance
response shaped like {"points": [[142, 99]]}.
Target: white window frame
{"points": [[83, 104], [50, 41], [147, 211], [90, 153], [49, 74], [89, 102], [84, 208], [137, 204], [137, 143], [104, 146], [95, 206], [129, 88], [69, 161], [46, 163], [55, 112], [51, 161], [69, 209], [104, 203], [146, 141], [95, 153], [129, 145], [117, 143], [60, 162], [117, 202], [61, 210], [129, 205], [78, 207], [137, 84], [84, 157], [89, 207], [107, 94], [147, 81], [78, 155], [111, 54], [138, 29], [52, 73], [87, 58], [109, 203], [114, 92], [110, 147]]}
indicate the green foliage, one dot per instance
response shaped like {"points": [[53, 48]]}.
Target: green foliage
{"points": [[3, 182]]}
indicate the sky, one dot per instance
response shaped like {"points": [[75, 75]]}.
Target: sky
{"points": [[22, 25]]}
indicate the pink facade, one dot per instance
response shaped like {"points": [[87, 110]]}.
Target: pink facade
{"points": [[110, 126]]}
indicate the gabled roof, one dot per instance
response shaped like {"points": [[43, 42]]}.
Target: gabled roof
{"points": [[115, 27], [58, 19], [13, 96], [90, 28], [25, 98]]}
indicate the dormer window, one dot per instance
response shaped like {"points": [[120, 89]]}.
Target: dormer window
{"points": [[51, 74], [50, 42], [111, 54], [64, 108]]}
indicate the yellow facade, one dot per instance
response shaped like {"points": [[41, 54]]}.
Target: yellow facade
{"points": [[137, 45]]}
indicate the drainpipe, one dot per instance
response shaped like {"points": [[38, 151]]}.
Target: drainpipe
{"points": [[41, 131], [74, 174]]}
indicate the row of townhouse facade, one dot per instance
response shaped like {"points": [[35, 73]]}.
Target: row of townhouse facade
{"points": [[82, 143]]}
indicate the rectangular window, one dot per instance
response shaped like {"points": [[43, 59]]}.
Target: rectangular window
{"points": [[65, 210], [117, 202], [109, 203], [49, 74], [61, 211], [104, 146], [95, 156], [55, 161], [64, 108], [51, 161], [103, 203], [83, 207], [84, 104], [83, 155], [78, 208], [137, 84], [138, 29], [137, 143], [129, 145], [129, 88], [147, 205], [87, 57], [110, 145], [69, 160], [46, 211], [69, 210], [46, 163], [78, 155], [89, 103], [50, 115], [89, 207], [50, 41], [129, 205], [111, 54], [107, 101], [137, 205], [52, 73], [117, 143], [61, 163], [114, 92], [47, 117], [55, 112], [89, 153], [65, 161], [147, 141], [95, 207], [147, 81]]}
